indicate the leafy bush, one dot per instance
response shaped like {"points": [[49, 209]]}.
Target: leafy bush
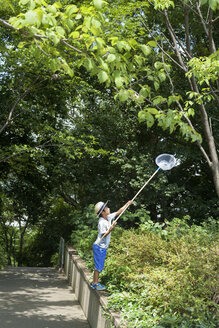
{"points": [[83, 241], [161, 276], [3, 258]]}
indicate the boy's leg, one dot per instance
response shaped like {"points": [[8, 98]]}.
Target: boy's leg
{"points": [[96, 277], [99, 255]]}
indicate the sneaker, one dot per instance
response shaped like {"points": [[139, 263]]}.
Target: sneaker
{"points": [[97, 286]]}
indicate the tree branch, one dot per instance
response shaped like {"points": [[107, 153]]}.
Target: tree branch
{"points": [[38, 46], [3, 22], [174, 39], [214, 20], [159, 46], [187, 35], [201, 17], [15, 104], [39, 36], [70, 46], [210, 33], [214, 94], [187, 118], [68, 199]]}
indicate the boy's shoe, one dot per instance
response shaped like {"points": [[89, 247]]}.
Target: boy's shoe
{"points": [[97, 286], [101, 286]]}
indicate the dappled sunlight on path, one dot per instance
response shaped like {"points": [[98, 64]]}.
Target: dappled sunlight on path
{"points": [[38, 298]]}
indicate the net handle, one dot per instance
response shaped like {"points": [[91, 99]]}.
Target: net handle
{"points": [[125, 208], [138, 193]]}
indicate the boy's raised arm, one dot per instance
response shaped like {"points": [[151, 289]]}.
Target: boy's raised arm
{"points": [[125, 206]]}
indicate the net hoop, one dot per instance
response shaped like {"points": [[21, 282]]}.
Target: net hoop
{"points": [[165, 161]]}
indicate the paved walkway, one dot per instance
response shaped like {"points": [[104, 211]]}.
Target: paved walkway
{"points": [[38, 298]]}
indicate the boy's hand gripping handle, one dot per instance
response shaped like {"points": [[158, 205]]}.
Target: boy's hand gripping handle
{"points": [[127, 205]]}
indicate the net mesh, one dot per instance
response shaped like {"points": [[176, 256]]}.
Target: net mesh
{"points": [[165, 161]]}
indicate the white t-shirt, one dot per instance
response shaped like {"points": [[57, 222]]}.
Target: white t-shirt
{"points": [[103, 227]]}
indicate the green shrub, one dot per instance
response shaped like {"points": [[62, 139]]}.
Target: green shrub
{"points": [[83, 241], [3, 258], [55, 258], [161, 276]]}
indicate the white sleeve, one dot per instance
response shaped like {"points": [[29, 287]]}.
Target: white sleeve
{"points": [[102, 227], [111, 217]]}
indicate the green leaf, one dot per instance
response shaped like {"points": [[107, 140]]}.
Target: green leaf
{"points": [[96, 22], [123, 45], [24, 2], [152, 44], [102, 76], [119, 81], [145, 92], [74, 35], [60, 30], [32, 4], [53, 36], [99, 4], [100, 43], [141, 116], [213, 4], [51, 20], [21, 45], [52, 9], [146, 50], [146, 116], [95, 31], [159, 99], [156, 85], [152, 110], [57, 5], [123, 95], [138, 59], [54, 65], [78, 16], [162, 76], [31, 18], [202, 2], [89, 64], [104, 65], [70, 10], [111, 58], [149, 119], [87, 22], [158, 65], [17, 23], [67, 69], [191, 112]]}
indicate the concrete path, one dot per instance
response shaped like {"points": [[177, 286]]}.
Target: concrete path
{"points": [[38, 298]]}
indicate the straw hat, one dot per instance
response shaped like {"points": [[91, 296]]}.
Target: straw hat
{"points": [[99, 207]]}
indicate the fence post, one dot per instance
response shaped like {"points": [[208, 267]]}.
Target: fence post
{"points": [[61, 254]]}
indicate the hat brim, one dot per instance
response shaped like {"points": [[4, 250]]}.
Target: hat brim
{"points": [[102, 208]]}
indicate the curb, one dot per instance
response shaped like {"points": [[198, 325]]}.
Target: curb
{"points": [[93, 302]]}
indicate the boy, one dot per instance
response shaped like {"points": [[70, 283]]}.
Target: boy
{"points": [[100, 246]]}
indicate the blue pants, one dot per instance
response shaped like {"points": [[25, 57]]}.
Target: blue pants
{"points": [[99, 255]]}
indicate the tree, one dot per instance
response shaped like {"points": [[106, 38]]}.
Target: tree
{"points": [[35, 139], [65, 137], [70, 36]]}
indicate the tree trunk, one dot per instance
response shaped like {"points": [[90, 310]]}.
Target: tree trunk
{"points": [[212, 156], [20, 253]]}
